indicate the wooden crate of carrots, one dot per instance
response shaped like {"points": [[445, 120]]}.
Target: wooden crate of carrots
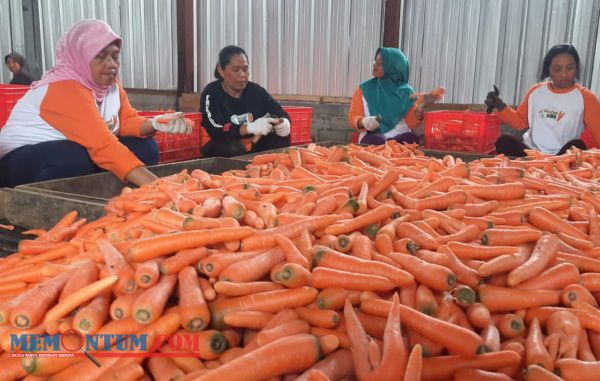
{"points": [[339, 263]]}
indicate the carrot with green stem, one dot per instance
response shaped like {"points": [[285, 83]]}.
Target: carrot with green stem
{"points": [[254, 268], [182, 258], [418, 235], [267, 301], [457, 339], [291, 275], [151, 302], [122, 306], [29, 311], [576, 292], [148, 273], [90, 318], [290, 354], [195, 315], [373, 216], [435, 276], [498, 299], [332, 259], [499, 237], [117, 265], [214, 264]]}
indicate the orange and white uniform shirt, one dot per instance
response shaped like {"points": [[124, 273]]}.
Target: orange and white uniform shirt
{"points": [[554, 116], [67, 110], [359, 109]]}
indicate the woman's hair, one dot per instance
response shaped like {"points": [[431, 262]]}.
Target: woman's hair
{"points": [[553, 52], [225, 56]]}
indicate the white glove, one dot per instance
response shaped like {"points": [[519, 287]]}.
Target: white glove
{"points": [[282, 129], [370, 123], [261, 126], [173, 123]]}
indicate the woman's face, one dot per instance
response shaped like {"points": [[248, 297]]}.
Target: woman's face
{"points": [[105, 65], [12, 65], [563, 71], [378, 66], [235, 74]]}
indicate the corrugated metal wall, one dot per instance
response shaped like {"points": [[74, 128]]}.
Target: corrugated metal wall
{"points": [[468, 45], [307, 47], [11, 33], [148, 29]]}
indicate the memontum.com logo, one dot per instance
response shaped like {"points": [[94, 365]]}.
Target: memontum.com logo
{"points": [[74, 344]]}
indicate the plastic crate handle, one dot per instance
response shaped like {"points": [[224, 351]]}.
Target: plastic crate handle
{"points": [[454, 127]]}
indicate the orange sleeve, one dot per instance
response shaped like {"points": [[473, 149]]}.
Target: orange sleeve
{"points": [[518, 119], [357, 111], [411, 120], [591, 113], [129, 120], [84, 125]]}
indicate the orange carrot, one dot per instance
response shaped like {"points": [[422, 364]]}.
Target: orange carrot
{"points": [[543, 253], [240, 289], [182, 258], [79, 297], [434, 276], [147, 274], [507, 299], [151, 302], [554, 278], [29, 311], [117, 265], [194, 312], [325, 277], [90, 318], [122, 306], [291, 275], [287, 355], [457, 339]]}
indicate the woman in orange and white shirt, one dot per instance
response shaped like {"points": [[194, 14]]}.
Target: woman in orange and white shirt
{"points": [[77, 118], [555, 112]]}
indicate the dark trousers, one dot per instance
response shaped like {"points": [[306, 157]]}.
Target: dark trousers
{"points": [[377, 139], [231, 148], [58, 159], [512, 146]]}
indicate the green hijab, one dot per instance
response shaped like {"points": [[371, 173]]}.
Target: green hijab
{"points": [[389, 96]]}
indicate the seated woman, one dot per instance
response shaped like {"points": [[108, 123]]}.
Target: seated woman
{"points": [[384, 106], [233, 108], [555, 112], [22, 75], [78, 119]]}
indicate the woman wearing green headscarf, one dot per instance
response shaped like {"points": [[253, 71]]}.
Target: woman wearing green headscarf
{"points": [[384, 106]]}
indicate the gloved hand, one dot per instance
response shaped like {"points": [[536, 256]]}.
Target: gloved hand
{"points": [[261, 126], [370, 123], [173, 123], [494, 101], [282, 129]]}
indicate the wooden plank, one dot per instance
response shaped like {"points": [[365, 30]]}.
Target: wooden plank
{"points": [[391, 23]]}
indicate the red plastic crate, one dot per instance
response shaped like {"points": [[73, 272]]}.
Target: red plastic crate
{"points": [[178, 147], [9, 96], [354, 138], [300, 119], [588, 139], [459, 131]]}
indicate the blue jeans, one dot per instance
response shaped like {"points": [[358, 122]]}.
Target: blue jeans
{"points": [[58, 159], [377, 139]]}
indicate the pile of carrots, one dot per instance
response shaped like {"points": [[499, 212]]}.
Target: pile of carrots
{"points": [[339, 263]]}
